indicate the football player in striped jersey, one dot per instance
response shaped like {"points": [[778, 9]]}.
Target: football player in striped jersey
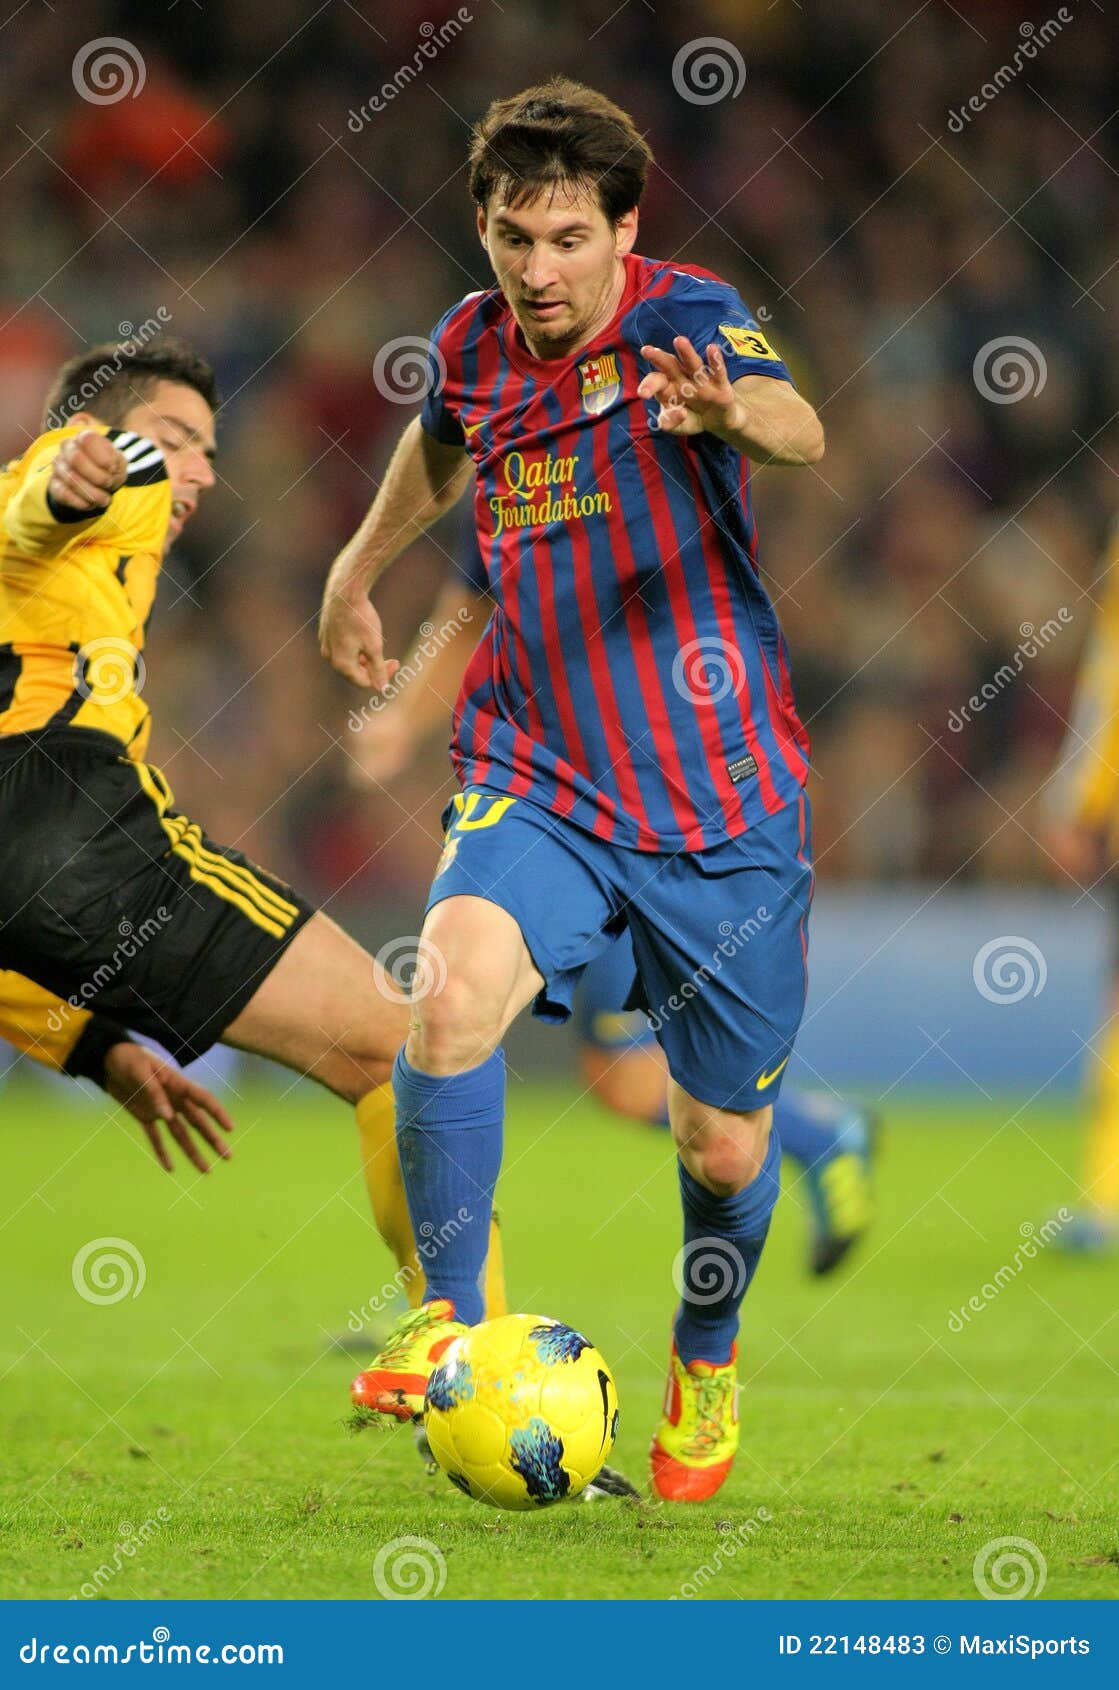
{"points": [[830, 1137], [626, 739]]}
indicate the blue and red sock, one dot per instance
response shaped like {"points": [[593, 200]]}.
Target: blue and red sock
{"points": [[723, 1240]]}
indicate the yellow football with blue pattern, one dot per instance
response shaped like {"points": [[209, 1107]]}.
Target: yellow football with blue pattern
{"points": [[521, 1412]]}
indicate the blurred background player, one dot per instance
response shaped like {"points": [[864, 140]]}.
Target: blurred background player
{"points": [[828, 1136], [1081, 835]]}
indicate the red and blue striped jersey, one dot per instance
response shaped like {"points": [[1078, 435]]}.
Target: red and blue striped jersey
{"points": [[633, 677]]}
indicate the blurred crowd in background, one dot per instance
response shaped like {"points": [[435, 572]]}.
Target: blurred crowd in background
{"points": [[883, 244]]}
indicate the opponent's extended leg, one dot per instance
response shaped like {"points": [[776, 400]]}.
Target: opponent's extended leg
{"points": [[320, 1011]]}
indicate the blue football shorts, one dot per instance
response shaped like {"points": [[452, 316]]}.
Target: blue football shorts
{"points": [[719, 937]]}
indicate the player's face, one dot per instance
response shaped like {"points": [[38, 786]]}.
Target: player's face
{"points": [[181, 424], [558, 261]]}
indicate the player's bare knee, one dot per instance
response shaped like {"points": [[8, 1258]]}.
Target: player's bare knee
{"points": [[729, 1165], [454, 1028], [722, 1149]]}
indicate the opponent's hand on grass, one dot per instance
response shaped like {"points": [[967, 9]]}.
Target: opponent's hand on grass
{"points": [[694, 396], [160, 1095], [87, 472], [352, 641]]}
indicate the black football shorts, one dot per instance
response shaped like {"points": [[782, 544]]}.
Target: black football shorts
{"points": [[112, 899]]}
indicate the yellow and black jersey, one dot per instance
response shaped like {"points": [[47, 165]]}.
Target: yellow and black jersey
{"points": [[1085, 789], [76, 592]]}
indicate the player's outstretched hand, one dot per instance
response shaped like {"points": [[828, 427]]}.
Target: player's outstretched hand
{"points": [[87, 472], [351, 639], [693, 395], [160, 1095]]}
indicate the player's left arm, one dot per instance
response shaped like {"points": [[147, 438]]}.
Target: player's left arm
{"points": [[762, 417]]}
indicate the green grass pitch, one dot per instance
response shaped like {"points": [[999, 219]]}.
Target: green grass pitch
{"points": [[189, 1441]]}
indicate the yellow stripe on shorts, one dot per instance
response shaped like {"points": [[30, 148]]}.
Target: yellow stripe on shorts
{"points": [[234, 882], [238, 874]]}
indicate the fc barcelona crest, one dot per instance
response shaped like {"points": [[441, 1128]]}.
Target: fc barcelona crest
{"points": [[601, 382]]}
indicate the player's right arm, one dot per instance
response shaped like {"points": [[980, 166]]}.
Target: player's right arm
{"points": [[424, 479], [66, 490]]}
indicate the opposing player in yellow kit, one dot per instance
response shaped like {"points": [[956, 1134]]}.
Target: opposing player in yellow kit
{"points": [[1081, 834], [92, 847]]}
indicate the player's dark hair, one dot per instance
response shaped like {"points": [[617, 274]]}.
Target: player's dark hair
{"points": [[108, 380], [560, 134]]}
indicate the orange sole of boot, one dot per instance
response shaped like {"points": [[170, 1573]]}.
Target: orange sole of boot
{"points": [[675, 1482], [389, 1394]]}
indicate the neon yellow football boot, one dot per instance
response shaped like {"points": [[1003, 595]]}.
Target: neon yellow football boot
{"points": [[395, 1383], [697, 1439]]}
